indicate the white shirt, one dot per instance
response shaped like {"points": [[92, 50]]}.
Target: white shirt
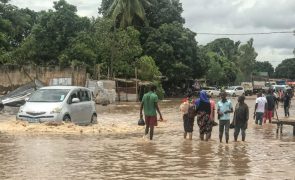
{"points": [[261, 101]]}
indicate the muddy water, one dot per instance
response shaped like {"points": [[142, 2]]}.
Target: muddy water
{"points": [[115, 149]]}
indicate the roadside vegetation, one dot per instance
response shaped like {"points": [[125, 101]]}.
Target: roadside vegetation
{"points": [[148, 35]]}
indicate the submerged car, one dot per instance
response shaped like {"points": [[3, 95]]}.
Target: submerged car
{"points": [[235, 91], [59, 103]]}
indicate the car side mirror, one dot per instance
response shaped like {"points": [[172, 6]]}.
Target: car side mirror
{"points": [[75, 100]]}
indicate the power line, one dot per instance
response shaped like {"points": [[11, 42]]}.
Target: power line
{"points": [[245, 34]]}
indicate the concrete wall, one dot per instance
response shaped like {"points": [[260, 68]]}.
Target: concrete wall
{"points": [[12, 77]]}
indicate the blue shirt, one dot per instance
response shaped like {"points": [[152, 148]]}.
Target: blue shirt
{"points": [[224, 106]]}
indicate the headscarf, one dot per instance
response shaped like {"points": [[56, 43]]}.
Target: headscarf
{"points": [[203, 98]]}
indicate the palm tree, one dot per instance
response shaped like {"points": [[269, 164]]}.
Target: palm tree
{"points": [[126, 11]]}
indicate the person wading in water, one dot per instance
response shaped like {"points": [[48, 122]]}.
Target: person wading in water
{"points": [[203, 113], [241, 116], [150, 106], [189, 112], [224, 108]]}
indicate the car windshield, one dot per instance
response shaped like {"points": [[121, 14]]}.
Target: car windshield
{"points": [[49, 95]]}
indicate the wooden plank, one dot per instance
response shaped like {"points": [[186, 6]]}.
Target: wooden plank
{"points": [[287, 122], [284, 121]]}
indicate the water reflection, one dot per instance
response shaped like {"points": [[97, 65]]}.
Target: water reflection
{"points": [[240, 159]]}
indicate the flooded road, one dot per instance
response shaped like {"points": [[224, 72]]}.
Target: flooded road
{"points": [[116, 149]]}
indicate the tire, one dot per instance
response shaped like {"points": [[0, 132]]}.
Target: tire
{"points": [[93, 119], [1, 106], [67, 118], [234, 95]]}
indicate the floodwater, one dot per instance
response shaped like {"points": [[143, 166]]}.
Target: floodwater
{"points": [[116, 149]]}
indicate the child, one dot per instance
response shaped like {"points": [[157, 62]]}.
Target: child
{"points": [[188, 110]]}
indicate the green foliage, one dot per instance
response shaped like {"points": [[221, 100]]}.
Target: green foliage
{"points": [[53, 32], [215, 73], [15, 26], [175, 51], [117, 49], [164, 12], [224, 47], [263, 67], [160, 91], [147, 69], [126, 12], [221, 70], [236, 61], [80, 52], [104, 7], [247, 59], [286, 69]]}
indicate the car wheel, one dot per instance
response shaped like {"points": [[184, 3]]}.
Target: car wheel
{"points": [[93, 119], [67, 118], [1, 106], [234, 95]]}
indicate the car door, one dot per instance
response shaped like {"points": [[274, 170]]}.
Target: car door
{"points": [[240, 91], [74, 108], [86, 105]]}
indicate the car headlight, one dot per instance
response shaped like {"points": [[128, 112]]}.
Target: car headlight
{"points": [[56, 110], [21, 109]]}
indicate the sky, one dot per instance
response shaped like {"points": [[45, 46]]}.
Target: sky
{"points": [[221, 16]]}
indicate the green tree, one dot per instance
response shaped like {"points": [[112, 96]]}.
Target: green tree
{"points": [[119, 49], [224, 47], [215, 73], [53, 33], [237, 59], [264, 66], [127, 12], [286, 69], [147, 69], [15, 26], [164, 11], [247, 59], [175, 52], [221, 70], [80, 52]]}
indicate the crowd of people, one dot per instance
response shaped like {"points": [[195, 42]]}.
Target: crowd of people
{"points": [[203, 110]]}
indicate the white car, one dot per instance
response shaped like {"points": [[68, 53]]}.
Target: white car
{"points": [[212, 91], [59, 103], [235, 91]]}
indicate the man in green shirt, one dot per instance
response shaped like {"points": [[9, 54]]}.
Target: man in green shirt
{"points": [[150, 106]]}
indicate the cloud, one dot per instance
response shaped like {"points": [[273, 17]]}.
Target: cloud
{"points": [[85, 7], [240, 16]]}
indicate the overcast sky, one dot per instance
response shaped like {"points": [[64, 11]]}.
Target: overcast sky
{"points": [[221, 16]]}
